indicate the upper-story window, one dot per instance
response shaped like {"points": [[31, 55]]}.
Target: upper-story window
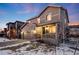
{"points": [[29, 21], [49, 17], [38, 19], [65, 20]]}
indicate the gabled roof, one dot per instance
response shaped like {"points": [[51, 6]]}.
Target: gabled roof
{"points": [[32, 18], [50, 7], [9, 23], [46, 9], [55, 7], [23, 25], [19, 21], [14, 22]]}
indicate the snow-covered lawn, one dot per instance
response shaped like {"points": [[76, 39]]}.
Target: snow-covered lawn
{"points": [[39, 49], [36, 48], [5, 39], [15, 45]]}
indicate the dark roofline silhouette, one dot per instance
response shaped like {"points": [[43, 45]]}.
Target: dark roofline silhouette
{"points": [[45, 10]]}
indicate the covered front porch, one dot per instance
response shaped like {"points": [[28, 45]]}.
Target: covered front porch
{"points": [[48, 30]]}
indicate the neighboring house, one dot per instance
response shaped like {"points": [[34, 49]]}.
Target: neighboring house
{"points": [[14, 29], [3, 33], [50, 23], [74, 30]]}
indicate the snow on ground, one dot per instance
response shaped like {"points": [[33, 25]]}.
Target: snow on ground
{"points": [[15, 45], [30, 49], [40, 49], [36, 48], [5, 39], [64, 49]]}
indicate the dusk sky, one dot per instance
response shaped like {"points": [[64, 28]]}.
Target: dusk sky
{"points": [[23, 12]]}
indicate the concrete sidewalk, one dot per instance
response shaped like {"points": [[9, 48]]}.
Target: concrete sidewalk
{"points": [[12, 43]]}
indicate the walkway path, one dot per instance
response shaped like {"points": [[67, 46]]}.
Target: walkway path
{"points": [[2, 44], [14, 43]]}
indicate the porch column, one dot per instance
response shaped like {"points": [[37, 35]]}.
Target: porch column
{"points": [[56, 35]]}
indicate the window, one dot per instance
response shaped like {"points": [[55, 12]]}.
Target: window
{"points": [[29, 21], [47, 29], [65, 20], [53, 29], [50, 29], [49, 17], [38, 19], [33, 31], [38, 30]]}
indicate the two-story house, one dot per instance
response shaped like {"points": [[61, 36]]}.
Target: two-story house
{"points": [[14, 29], [50, 23]]}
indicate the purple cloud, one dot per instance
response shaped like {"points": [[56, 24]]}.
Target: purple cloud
{"points": [[27, 8]]}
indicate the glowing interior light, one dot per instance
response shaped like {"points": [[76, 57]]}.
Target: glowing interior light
{"points": [[49, 17], [38, 19], [46, 28], [29, 21]]}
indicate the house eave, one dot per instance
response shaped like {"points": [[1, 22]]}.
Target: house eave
{"points": [[47, 24]]}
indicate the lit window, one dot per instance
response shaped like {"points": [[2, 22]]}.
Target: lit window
{"points": [[38, 30], [29, 21], [38, 19], [53, 29], [49, 17], [33, 31]]}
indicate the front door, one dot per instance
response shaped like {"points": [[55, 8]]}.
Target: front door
{"points": [[43, 30]]}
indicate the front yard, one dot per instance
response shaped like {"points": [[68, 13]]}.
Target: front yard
{"points": [[37, 48], [3, 40]]}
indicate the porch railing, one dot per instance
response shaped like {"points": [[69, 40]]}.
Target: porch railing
{"points": [[48, 35]]}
